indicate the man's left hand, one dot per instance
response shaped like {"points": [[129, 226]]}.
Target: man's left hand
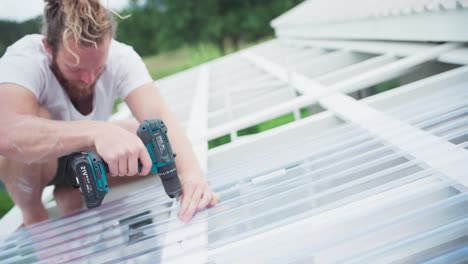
{"points": [[196, 196]]}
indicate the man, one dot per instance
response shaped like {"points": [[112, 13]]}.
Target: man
{"points": [[56, 93]]}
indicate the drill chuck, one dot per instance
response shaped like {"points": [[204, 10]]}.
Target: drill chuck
{"points": [[170, 180], [153, 133]]}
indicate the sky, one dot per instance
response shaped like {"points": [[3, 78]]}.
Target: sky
{"points": [[21, 10]]}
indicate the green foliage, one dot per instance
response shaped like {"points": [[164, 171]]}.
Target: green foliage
{"points": [[304, 112], [169, 63], [5, 203], [167, 25], [266, 125], [269, 124], [388, 85], [116, 103], [219, 141]]}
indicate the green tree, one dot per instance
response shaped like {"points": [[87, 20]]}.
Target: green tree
{"points": [[158, 26]]}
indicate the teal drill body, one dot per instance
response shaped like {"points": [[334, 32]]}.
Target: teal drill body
{"points": [[90, 171]]}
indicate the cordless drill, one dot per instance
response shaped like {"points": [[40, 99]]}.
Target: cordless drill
{"points": [[90, 171]]}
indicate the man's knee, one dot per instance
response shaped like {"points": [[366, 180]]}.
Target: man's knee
{"points": [[25, 182], [68, 199]]}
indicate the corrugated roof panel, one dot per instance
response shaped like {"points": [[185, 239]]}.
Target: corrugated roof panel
{"points": [[440, 107], [326, 175], [376, 20], [239, 88], [178, 91], [316, 12], [269, 188]]}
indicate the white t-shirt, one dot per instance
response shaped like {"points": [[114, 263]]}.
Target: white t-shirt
{"points": [[26, 63]]}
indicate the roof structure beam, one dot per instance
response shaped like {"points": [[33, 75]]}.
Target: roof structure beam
{"points": [[301, 82]]}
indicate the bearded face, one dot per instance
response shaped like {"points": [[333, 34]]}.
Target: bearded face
{"points": [[76, 89], [77, 68]]}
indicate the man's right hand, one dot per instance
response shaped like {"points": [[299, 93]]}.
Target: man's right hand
{"points": [[121, 150]]}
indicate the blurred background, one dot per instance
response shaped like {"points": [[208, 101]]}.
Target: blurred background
{"points": [[170, 35]]}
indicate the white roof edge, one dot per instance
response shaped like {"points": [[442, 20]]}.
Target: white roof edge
{"points": [[313, 21]]}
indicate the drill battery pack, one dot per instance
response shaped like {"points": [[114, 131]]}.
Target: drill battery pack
{"points": [[90, 176]]}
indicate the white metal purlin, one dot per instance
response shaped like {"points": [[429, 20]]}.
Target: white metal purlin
{"points": [[281, 74], [366, 79], [390, 71], [363, 80], [458, 56], [198, 123], [358, 68], [228, 108], [398, 48], [197, 129]]}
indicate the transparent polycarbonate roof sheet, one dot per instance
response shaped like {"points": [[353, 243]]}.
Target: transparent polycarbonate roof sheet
{"points": [[353, 70], [245, 91], [325, 182], [238, 88], [178, 91], [318, 174], [324, 172], [444, 113], [245, 102], [309, 61], [92, 231], [253, 206], [328, 175], [271, 154], [228, 72], [284, 152], [380, 227], [412, 224], [447, 211]]}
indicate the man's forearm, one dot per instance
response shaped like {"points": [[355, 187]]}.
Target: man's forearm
{"points": [[186, 161], [146, 103], [33, 139]]}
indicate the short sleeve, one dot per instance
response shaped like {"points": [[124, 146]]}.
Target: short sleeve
{"points": [[22, 68], [132, 72]]}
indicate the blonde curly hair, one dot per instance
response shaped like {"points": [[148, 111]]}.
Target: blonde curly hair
{"points": [[86, 22]]}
